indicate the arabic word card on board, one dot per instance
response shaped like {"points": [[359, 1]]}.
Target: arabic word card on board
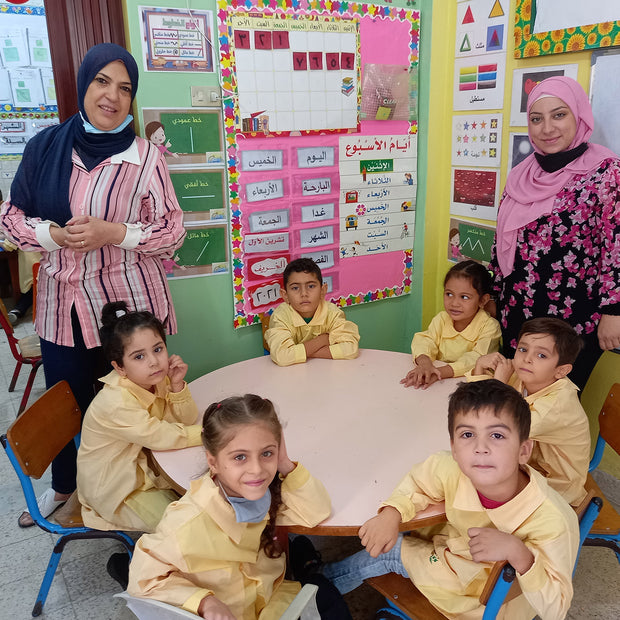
{"points": [[291, 183]]}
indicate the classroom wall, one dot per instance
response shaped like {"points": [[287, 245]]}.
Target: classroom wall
{"points": [[206, 338]]}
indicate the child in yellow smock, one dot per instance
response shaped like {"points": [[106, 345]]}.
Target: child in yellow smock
{"points": [[305, 325], [546, 350], [459, 334], [497, 508], [144, 403], [214, 552]]}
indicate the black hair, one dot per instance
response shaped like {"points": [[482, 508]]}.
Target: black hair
{"points": [[476, 273], [218, 428], [305, 265], [494, 395], [567, 341], [118, 325]]}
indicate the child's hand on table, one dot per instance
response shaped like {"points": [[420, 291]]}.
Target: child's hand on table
{"points": [[426, 373], [318, 347], [177, 369], [490, 545], [212, 608], [380, 533]]}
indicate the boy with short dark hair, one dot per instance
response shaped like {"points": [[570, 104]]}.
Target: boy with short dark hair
{"points": [[497, 508], [546, 350], [306, 325]]}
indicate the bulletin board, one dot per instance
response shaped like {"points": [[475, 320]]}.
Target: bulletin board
{"points": [[309, 177], [576, 38], [27, 92]]}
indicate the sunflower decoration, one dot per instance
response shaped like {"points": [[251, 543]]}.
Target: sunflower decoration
{"points": [[531, 49], [576, 43]]}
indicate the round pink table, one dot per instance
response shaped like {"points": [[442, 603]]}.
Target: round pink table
{"points": [[350, 422]]}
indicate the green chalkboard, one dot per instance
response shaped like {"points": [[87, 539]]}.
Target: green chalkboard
{"points": [[476, 242], [203, 246], [193, 132], [199, 191]]}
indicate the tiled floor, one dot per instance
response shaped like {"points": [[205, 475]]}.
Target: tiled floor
{"points": [[82, 589]]}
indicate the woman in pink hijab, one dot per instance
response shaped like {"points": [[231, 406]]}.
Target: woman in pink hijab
{"points": [[557, 246]]}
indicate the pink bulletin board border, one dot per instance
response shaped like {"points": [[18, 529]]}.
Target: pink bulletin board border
{"points": [[387, 275]]}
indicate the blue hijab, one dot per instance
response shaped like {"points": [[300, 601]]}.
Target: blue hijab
{"points": [[41, 185]]}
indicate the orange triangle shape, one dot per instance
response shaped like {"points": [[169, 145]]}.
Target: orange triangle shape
{"points": [[468, 18], [497, 10]]}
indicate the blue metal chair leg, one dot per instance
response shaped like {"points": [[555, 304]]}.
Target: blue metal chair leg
{"points": [[52, 565]]}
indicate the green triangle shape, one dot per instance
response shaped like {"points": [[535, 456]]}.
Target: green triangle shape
{"points": [[465, 44]]}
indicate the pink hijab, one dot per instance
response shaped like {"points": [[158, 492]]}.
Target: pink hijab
{"points": [[530, 191]]}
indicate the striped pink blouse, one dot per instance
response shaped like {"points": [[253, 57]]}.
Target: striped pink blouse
{"points": [[134, 188]]}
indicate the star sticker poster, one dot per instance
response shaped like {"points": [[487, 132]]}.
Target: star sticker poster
{"points": [[477, 140]]}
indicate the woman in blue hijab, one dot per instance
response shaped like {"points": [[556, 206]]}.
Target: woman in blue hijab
{"points": [[98, 203]]}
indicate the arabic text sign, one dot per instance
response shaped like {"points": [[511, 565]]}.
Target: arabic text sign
{"points": [[261, 160], [266, 243], [314, 237], [263, 221], [315, 157], [264, 190]]}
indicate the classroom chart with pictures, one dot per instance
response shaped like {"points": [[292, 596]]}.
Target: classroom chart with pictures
{"points": [[327, 186], [27, 92], [295, 74], [175, 40], [192, 143]]}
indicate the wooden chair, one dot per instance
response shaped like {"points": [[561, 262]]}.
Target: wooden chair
{"points": [[32, 442], [303, 607], [606, 529], [405, 601], [265, 317], [25, 351]]}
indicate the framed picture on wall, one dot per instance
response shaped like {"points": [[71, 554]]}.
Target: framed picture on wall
{"points": [[523, 80], [557, 26]]}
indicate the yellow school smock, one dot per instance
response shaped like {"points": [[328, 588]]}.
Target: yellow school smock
{"points": [[288, 331], [112, 469], [438, 559], [561, 435], [199, 549], [460, 350]]}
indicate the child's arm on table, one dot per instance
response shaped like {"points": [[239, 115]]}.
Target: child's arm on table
{"points": [[318, 347], [424, 350], [343, 336], [380, 533], [487, 544], [426, 373]]}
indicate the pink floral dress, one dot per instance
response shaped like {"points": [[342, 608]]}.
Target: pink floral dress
{"points": [[567, 263]]}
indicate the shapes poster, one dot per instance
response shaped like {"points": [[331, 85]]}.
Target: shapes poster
{"points": [[289, 173], [481, 27], [477, 140], [175, 40], [474, 192]]}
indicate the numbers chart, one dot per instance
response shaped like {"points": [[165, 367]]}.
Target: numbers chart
{"points": [[296, 75]]}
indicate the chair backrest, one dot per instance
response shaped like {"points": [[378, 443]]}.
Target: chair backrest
{"points": [[264, 322], [609, 418], [44, 429], [8, 330]]}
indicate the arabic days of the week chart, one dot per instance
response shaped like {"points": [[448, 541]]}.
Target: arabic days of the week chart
{"points": [[339, 191]]}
